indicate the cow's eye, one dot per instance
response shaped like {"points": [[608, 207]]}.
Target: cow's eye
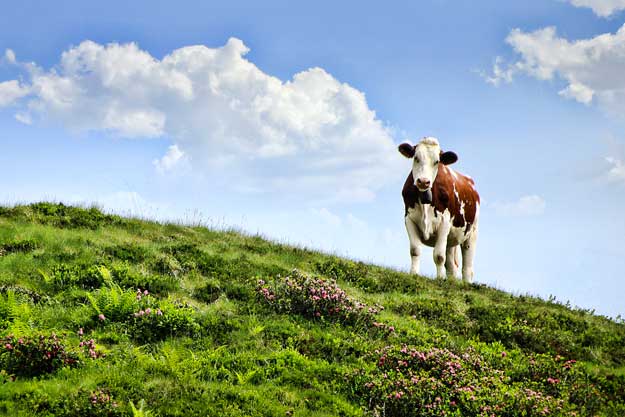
{"points": [[436, 162], [416, 160]]}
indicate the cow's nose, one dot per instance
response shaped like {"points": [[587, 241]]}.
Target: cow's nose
{"points": [[423, 183]]}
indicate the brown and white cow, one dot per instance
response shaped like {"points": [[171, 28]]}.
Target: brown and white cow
{"points": [[442, 209]]}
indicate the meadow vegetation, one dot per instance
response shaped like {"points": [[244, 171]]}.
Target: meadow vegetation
{"points": [[102, 315]]}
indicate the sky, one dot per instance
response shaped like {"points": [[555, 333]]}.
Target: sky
{"points": [[284, 120]]}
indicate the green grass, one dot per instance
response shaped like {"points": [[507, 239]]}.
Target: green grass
{"points": [[217, 347]]}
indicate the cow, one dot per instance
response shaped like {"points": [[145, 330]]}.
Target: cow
{"points": [[441, 209]]}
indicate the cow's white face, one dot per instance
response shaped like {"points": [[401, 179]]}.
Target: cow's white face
{"points": [[426, 156]]}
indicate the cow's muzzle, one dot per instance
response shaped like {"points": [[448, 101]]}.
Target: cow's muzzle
{"points": [[423, 184]]}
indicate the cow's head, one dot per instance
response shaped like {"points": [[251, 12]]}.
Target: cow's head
{"points": [[426, 156]]}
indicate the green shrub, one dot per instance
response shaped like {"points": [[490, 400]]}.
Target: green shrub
{"points": [[145, 318], [128, 277], [343, 270], [27, 245], [209, 291], [439, 312], [151, 325], [60, 215], [64, 276], [129, 252]]}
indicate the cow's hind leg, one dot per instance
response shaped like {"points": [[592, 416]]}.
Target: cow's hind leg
{"points": [[415, 245], [468, 252], [451, 261]]}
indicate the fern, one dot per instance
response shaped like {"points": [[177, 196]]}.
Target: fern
{"points": [[94, 303], [106, 275], [46, 278], [113, 301], [140, 412], [13, 312]]}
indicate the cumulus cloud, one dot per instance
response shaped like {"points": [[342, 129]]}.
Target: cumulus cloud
{"points": [[10, 92], [9, 55], [529, 205], [312, 133], [603, 8], [616, 169], [593, 69], [327, 216], [174, 159]]}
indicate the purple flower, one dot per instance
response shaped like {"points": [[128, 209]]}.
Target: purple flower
{"points": [[80, 332]]}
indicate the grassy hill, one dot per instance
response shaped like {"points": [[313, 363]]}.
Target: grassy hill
{"points": [[107, 316]]}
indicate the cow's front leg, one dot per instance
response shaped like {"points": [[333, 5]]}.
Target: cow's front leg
{"points": [[440, 248], [415, 245], [451, 263]]}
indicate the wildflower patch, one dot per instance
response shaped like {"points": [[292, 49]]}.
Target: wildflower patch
{"points": [[315, 298], [438, 382], [43, 354]]}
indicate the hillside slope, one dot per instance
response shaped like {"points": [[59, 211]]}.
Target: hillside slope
{"points": [[107, 316]]}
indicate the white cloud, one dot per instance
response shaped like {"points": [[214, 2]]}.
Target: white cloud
{"points": [[500, 73], [131, 203], [603, 8], [10, 92], [327, 216], [529, 205], [357, 223], [9, 55], [311, 133], [593, 69], [24, 118], [172, 160], [578, 92], [616, 170]]}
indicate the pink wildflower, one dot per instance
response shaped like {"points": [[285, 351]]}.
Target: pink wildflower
{"points": [[80, 332], [101, 317]]}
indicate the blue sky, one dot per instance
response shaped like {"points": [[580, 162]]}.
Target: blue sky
{"points": [[286, 122]]}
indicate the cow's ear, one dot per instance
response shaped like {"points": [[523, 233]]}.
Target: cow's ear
{"points": [[448, 158], [407, 150]]}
